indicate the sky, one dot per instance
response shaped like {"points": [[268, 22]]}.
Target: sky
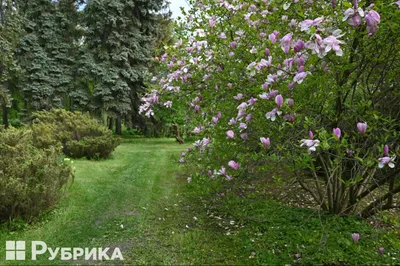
{"points": [[175, 7]]}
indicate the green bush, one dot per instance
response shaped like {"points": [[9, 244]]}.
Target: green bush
{"points": [[78, 134], [31, 179]]}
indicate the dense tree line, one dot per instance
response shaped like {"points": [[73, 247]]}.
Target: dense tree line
{"points": [[89, 55]]}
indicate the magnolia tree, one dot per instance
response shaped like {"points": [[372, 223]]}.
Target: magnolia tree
{"points": [[308, 85]]}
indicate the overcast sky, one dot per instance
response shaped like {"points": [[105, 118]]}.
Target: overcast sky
{"points": [[175, 7]]}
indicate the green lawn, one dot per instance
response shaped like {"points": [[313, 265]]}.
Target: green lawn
{"points": [[139, 201]]}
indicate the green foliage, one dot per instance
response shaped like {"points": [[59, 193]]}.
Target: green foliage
{"points": [[31, 179], [119, 38], [78, 134]]}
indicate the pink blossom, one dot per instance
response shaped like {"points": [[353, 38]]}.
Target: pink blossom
{"points": [[272, 115], [306, 24], [233, 45], [230, 134], [299, 46], [196, 130], [242, 126], [222, 171], [362, 127], [238, 97], [386, 150], [300, 77], [279, 101], [372, 19], [310, 144], [355, 237], [386, 161], [244, 136], [265, 141], [380, 250], [213, 21], [332, 43], [215, 120], [337, 132], [233, 164], [267, 52], [286, 42]]}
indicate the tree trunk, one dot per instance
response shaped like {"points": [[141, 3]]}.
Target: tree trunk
{"points": [[5, 116], [118, 126], [111, 123]]}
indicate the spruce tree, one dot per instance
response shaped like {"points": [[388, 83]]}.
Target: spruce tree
{"points": [[120, 35]]}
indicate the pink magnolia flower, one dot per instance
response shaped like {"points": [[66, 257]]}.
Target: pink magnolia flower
{"points": [[213, 21], [244, 136], [355, 237], [290, 102], [362, 127], [299, 77], [242, 126], [380, 250], [222, 171], [232, 121], [273, 36], [372, 19], [272, 115], [222, 35], [337, 132], [397, 3], [299, 46], [310, 144], [230, 134], [310, 135], [233, 164], [265, 141], [238, 97], [189, 179], [215, 120], [233, 45], [196, 130], [228, 178], [308, 23], [332, 43], [286, 42], [386, 150], [279, 101], [389, 161], [252, 101], [219, 115], [353, 16]]}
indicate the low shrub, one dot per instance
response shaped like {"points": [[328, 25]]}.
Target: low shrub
{"points": [[77, 133], [31, 179]]}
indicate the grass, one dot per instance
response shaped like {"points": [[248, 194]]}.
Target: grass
{"points": [[140, 201]]}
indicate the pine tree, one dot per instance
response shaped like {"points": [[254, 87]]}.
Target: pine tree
{"points": [[10, 29], [47, 52], [120, 35]]}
